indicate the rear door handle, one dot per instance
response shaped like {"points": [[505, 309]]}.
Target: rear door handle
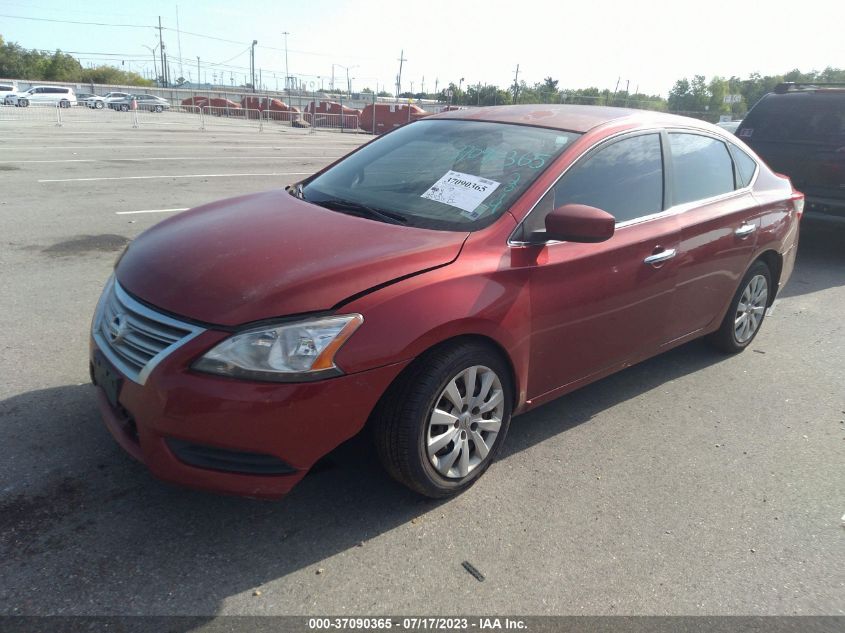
{"points": [[662, 256], [745, 230]]}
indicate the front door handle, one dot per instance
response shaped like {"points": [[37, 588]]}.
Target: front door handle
{"points": [[745, 230], [662, 256]]}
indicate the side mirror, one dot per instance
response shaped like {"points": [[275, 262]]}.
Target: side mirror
{"points": [[576, 223]]}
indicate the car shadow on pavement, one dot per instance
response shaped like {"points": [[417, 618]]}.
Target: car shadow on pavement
{"points": [[86, 530], [821, 259]]}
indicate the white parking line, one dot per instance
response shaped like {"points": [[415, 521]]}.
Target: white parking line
{"points": [[151, 211], [206, 146], [141, 160], [275, 173]]}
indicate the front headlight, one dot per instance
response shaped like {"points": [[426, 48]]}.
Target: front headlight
{"points": [[290, 352]]}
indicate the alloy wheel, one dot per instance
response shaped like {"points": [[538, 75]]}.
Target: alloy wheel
{"points": [[751, 309], [465, 422]]}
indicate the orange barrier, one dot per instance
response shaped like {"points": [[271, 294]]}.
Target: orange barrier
{"points": [[351, 116], [388, 116]]}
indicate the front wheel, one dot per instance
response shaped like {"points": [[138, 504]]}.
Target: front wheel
{"points": [[23, 102], [124, 108], [746, 312], [441, 424], [64, 103], [99, 105], [159, 109]]}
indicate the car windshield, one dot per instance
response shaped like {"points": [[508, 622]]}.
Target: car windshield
{"points": [[441, 174]]}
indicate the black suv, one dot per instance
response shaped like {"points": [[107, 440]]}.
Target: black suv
{"points": [[799, 130]]}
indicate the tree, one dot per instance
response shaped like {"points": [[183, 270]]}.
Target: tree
{"points": [[17, 62]]}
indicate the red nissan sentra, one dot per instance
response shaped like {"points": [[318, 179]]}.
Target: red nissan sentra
{"points": [[440, 279]]}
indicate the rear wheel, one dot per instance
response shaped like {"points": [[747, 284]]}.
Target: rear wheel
{"points": [[64, 103], [124, 107], [442, 423], [159, 109], [746, 312]]}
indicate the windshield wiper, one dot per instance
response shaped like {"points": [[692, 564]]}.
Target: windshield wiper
{"points": [[356, 208]]}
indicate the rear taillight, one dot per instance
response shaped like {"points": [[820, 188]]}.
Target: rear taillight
{"points": [[798, 203]]}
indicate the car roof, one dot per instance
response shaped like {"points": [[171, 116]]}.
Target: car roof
{"points": [[574, 118]]}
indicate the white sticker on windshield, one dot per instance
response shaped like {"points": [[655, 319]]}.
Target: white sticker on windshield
{"points": [[463, 191]]}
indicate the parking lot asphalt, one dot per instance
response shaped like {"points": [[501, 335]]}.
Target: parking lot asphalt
{"points": [[693, 483]]}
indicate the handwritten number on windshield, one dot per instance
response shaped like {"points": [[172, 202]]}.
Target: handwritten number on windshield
{"points": [[511, 158]]}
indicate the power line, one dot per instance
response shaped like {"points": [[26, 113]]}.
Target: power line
{"points": [[23, 17], [165, 28]]}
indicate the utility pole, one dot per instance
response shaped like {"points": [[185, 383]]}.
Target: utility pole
{"points": [[179, 43], [422, 85], [161, 52], [615, 89], [436, 82], [627, 92], [199, 77], [399, 76], [287, 74], [516, 84], [252, 63]]}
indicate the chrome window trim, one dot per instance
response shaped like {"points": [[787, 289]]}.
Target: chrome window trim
{"points": [[138, 308], [673, 210]]}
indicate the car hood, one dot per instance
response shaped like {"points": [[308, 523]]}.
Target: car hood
{"points": [[270, 254]]}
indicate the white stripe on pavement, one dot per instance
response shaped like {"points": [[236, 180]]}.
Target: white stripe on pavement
{"points": [[151, 211], [288, 173], [141, 160], [206, 146]]}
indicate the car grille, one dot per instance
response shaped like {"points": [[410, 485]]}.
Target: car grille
{"points": [[134, 337]]}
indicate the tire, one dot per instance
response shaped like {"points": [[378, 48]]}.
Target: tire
{"points": [[747, 311], [99, 105], [23, 103], [420, 409], [159, 109], [124, 107], [64, 103]]}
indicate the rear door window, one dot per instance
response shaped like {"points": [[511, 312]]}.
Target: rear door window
{"points": [[701, 167]]}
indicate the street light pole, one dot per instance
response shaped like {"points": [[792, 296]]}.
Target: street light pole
{"points": [[287, 74], [153, 51], [252, 63]]}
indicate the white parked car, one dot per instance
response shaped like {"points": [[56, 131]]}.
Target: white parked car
{"points": [[106, 100], [44, 95], [98, 102], [7, 90]]}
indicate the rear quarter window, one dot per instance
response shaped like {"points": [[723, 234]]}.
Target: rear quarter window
{"points": [[745, 167]]}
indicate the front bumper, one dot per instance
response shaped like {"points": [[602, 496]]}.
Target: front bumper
{"points": [[291, 424]]}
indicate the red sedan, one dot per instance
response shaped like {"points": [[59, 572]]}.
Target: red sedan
{"points": [[434, 283]]}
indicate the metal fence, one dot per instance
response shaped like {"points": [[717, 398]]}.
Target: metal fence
{"points": [[200, 117], [296, 98]]}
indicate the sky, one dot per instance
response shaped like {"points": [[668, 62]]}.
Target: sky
{"points": [[649, 43]]}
